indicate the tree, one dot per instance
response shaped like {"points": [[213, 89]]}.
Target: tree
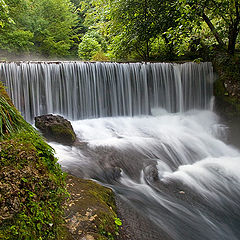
{"points": [[4, 14], [42, 26], [14, 36], [221, 16], [135, 24], [52, 21], [88, 47]]}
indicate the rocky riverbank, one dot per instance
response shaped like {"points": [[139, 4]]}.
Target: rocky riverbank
{"points": [[227, 85]]}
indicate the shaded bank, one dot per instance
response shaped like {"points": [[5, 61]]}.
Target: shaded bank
{"points": [[33, 188], [227, 84], [31, 182]]}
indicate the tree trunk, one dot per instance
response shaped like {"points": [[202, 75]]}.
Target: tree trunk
{"points": [[232, 38], [147, 52], [233, 34], [213, 30], [170, 48]]}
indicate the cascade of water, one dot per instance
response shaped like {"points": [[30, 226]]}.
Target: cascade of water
{"points": [[171, 166], [81, 90]]}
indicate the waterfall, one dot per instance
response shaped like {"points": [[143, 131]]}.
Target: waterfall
{"points": [[81, 90], [147, 131]]}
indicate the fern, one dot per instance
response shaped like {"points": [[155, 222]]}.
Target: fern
{"points": [[10, 120]]}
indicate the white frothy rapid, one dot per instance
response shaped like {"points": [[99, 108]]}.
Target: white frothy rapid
{"points": [[174, 167]]}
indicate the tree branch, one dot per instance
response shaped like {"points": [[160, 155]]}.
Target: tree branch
{"points": [[213, 29], [237, 9]]}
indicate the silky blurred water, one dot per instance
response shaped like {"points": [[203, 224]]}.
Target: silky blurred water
{"points": [[147, 131], [175, 169]]}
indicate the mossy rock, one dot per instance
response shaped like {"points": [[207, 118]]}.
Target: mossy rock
{"points": [[56, 128], [91, 210]]}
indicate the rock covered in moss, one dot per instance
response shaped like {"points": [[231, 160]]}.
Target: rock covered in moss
{"points": [[91, 210], [56, 128]]}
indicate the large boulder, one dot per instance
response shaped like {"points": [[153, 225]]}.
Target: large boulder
{"points": [[56, 128]]}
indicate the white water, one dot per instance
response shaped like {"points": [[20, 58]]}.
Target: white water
{"points": [[169, 164], [196, 194]]}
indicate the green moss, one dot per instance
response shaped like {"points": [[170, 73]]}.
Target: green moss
{"points": [[58, 131], [96, 202], [32, 187]]}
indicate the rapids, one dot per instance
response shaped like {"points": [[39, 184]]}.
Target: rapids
{"points": [[173, 168], [147, 131]]}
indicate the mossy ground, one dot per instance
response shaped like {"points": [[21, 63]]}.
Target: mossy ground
{"points": [[33, 189]]}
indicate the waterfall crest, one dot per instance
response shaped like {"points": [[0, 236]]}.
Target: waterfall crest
{"points": [[80, 90]]}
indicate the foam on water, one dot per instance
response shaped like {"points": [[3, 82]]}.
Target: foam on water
{"points": [[188, 180]]}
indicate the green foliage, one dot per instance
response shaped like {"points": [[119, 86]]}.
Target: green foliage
{"points": [[220, 16], [4, 14], [10, 120], [53, 34], [118, 222], [119, 29], [100, 56], [107, 232], [44, 26], [16, 40], [88, 48]]}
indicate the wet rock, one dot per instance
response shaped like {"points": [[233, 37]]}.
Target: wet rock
{"points": [[56, 128], [112, 173], [151, 173]]}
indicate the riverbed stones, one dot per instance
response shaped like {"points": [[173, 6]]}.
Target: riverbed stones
{"points": [[56, 128]]}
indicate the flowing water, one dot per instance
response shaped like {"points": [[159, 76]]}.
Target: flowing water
{"points": [[80, 90], [156, 141]]}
